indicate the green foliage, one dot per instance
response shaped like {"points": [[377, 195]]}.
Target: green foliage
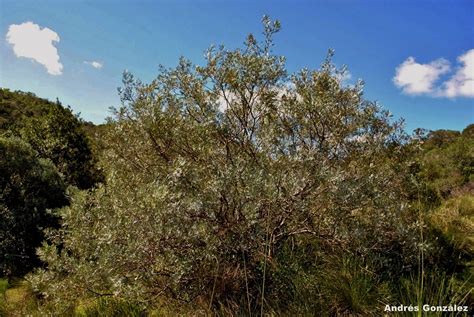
{"points": [[16, 106], [29, 187], [468, 131], [447, 161], [43, 149], [213, 171], [441, 138], [58, 137], [54, 132]]}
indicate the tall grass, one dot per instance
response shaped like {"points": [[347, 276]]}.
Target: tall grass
{"points": [[434, 287], [110, 307], [438, 289]]}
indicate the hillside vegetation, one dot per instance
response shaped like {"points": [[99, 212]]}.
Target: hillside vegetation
{"points": [[232, 189], [43, 150]]}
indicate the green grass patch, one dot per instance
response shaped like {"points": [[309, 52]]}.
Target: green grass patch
{"points": [[3, 286]]}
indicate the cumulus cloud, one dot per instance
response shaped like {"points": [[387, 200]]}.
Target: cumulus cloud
{"points": [[30, 41], [415, 78], [462, 82], [95, 64]]}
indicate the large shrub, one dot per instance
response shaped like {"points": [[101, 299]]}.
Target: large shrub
{"points": [[218, 175]]}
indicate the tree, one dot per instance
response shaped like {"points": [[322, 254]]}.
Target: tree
{"points": [[213, 172], [468, 131], [17, 105], [54, 132], [29, 187], [58, 136], [447, 160]]}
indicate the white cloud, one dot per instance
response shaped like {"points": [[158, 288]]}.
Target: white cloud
{"points": [[31, 41], [95, 64], [414, 78], [462, 82]]}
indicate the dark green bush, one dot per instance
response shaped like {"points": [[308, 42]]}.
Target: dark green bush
{"points": [[29, 188]]}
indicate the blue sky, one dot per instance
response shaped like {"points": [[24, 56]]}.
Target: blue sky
{"points": [[375, 39]]}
